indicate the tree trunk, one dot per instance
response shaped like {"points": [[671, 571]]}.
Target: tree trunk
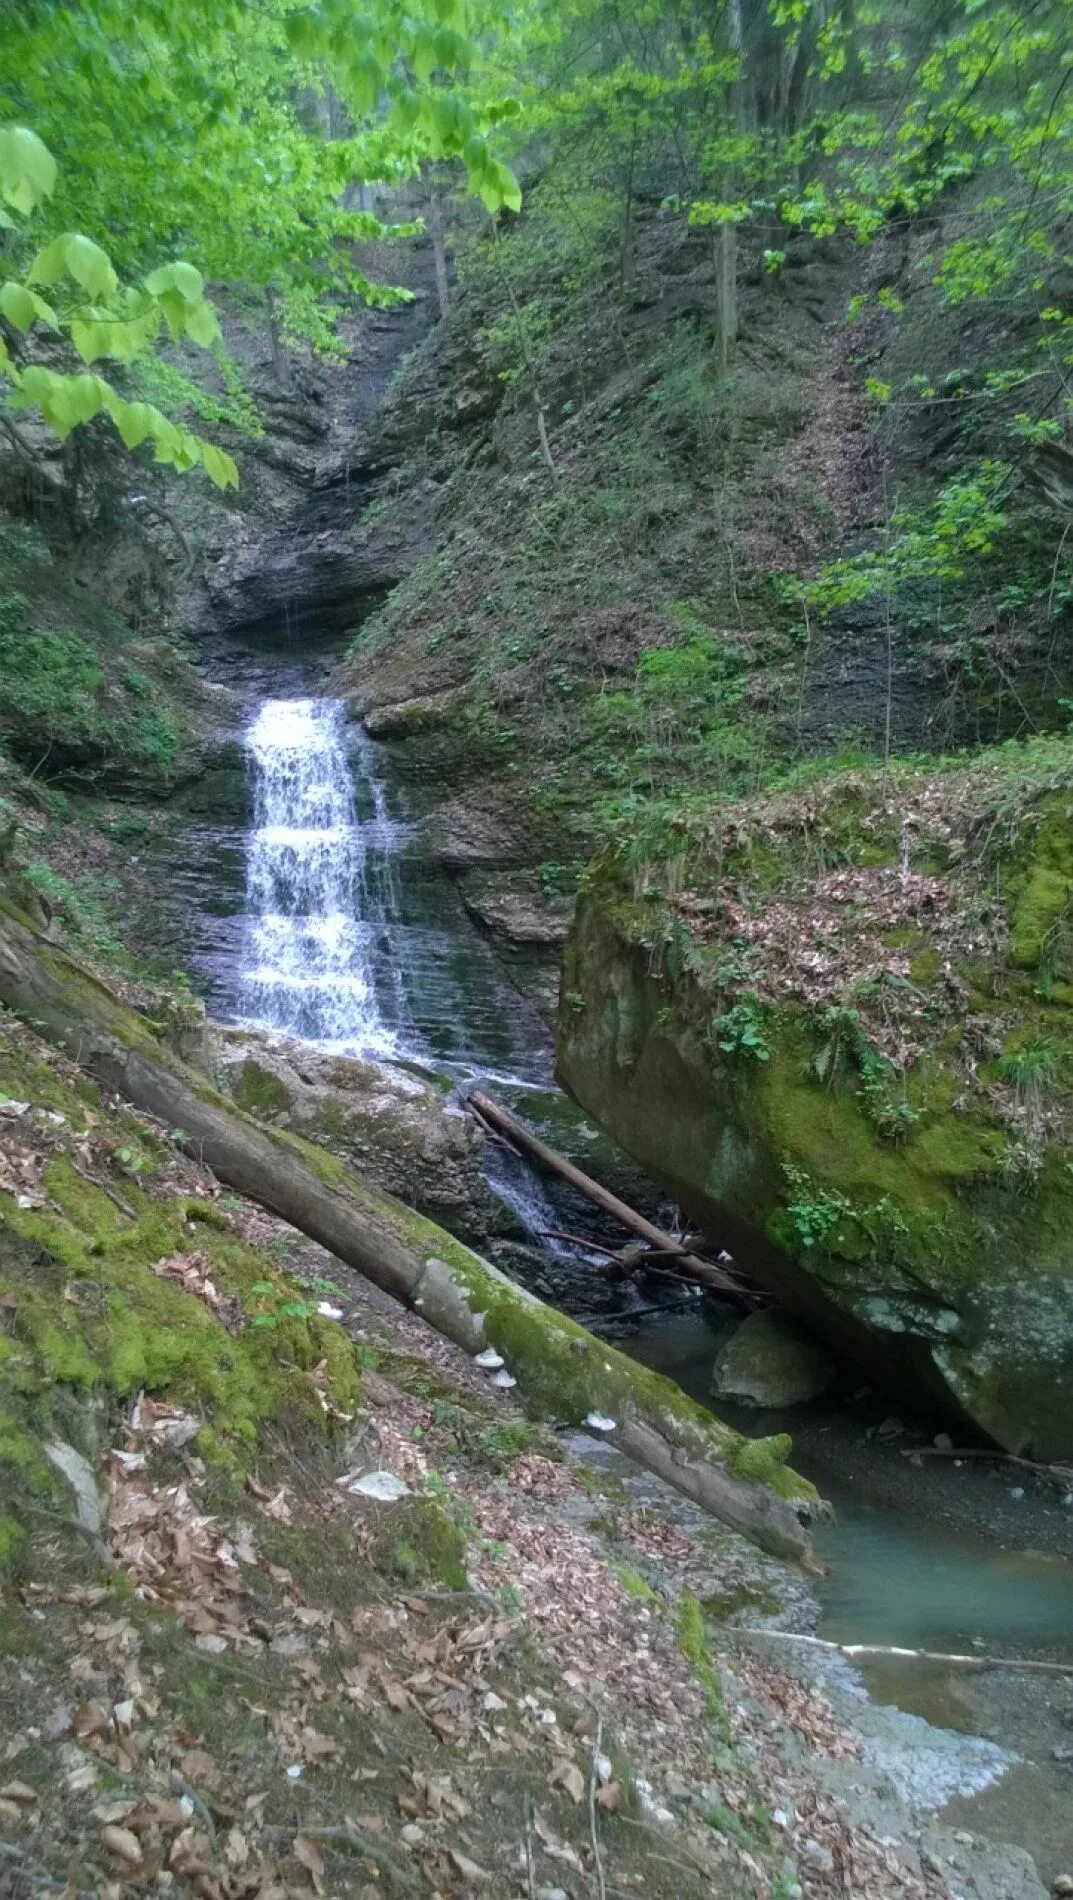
{"points": [[565, 1371], [687, 1263], [434, 222]]}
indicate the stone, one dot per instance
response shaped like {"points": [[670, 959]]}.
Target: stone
{"points": [[770, 1361]]}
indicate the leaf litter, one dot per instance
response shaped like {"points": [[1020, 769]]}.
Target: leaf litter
{"points": [[252, 1704]]}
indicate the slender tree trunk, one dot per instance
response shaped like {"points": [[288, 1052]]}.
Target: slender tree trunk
{"points": [[435, 222], [726, 262]]}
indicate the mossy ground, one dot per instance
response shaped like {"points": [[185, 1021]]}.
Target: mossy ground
{"points": [[382, 1663]]}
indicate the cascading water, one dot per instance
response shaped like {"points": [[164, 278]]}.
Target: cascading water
{"points": [[320, 884], [344, 941]]}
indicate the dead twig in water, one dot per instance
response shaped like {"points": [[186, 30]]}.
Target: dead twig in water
{"points": [[856, 1650], [1062, 1474]]}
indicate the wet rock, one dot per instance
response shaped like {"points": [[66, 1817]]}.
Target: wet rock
{"points": [[398, 1129], [770, 1361]]}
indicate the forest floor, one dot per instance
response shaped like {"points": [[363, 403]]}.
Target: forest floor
{"points": [[510, 1678]]}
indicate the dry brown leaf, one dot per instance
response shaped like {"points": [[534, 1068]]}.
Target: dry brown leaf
{"points": [[191, 1854], [19, 1791], [122, 1845], [609, 1798], [310, 1857], [236, 1849], [568, 1776], [469, 1870]]}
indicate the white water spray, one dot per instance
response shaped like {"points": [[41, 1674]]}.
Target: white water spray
{"points": [[320, 885]]}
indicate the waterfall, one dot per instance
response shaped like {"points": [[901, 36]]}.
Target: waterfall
{"points": [[320, 885]]}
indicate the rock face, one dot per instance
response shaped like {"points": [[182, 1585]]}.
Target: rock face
{"points": [[841, 1034], [771, 1362], [396, 1128]]}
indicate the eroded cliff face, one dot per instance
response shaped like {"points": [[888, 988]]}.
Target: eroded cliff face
{"points": [[838, 1025]]}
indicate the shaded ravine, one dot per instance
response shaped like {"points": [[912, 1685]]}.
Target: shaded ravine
{"points": [[338, 929]]}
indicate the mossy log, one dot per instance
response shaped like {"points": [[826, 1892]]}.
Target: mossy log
{"points": [[564, 1370]]}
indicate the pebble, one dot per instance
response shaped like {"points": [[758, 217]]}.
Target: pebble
{"points": [[943, 1441], [1063, 1884], [1017, 1491], [819, 1857]]}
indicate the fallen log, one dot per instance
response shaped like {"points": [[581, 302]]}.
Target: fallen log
{"points": [[855, 1651], [561, 1369], [689, 1264]]}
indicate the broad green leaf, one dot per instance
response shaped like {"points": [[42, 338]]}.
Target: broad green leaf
{"points": [[50, 263], [134, 420], [90, 266], [219, 466], [23, 308], [181, 277], [27, 168], [202, 324]]}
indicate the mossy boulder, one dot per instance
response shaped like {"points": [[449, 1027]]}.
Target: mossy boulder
{"points": [[838, 1027], [398, 1129]]}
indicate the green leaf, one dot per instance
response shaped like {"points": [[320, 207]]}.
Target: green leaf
{"points": [[27, 168], [90, 266], [49, 264], [133, 420], [219, 466], [186, 279], [203, 325], [23, 308]]}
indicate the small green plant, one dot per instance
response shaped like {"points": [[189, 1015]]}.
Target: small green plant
{"points": [[281, 1306], [739, 1031], [1033, 1069], [814, 1216]]}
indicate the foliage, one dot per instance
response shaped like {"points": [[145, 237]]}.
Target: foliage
{"points": [[99, 318], [739, 1031]]}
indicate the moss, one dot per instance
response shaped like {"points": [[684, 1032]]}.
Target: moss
{"points": [[258, 1091], [12, 1541], [693, 1643], [421, 1544], [84, 1314], [634, 1584], [724, 1604], [759, 1459], [926, 967]]}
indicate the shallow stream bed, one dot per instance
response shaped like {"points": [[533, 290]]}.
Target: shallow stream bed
{"points": [[963, 1558]]}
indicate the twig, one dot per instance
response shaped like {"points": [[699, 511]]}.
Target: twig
{"points": [[601, 1883], [116, 1199], [854, 1650], [1063, 1474], [349, 1836], [530, 1869], [180, 1785]]}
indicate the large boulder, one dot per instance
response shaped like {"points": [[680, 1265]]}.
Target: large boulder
{"points": [[401, 1131], [838, 1027], [771, 1362]]}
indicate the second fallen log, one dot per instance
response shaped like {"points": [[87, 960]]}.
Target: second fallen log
{"points": [[685, 1262]]}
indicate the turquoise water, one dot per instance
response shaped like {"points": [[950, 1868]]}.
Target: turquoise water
{"points": [[900, 1572]]}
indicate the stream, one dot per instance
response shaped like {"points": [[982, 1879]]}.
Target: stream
{"points": [[324, 920]]}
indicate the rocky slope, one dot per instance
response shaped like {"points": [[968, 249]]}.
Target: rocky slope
{"points": [[294, 1599]]}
